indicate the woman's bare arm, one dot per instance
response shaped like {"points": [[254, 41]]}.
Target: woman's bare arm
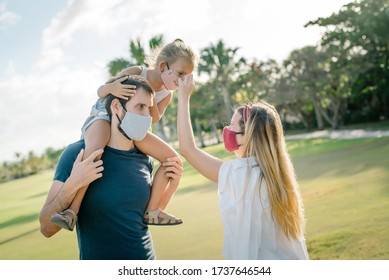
{"points": [[205, 163]]}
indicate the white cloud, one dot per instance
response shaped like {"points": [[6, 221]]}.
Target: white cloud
{"points": [[7, 17], [45, 109], [101, 17], [10, 71]]}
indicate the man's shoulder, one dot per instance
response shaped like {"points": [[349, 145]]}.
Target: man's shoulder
{"points": [[143, 156], [66, 160], [134, 153], [133, 157], [71, 151], [76, 146]]}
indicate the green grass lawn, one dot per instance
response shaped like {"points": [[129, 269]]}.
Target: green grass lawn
{"points": [[344, 183]]}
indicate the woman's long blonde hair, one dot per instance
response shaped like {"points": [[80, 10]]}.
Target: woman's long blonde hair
{"points": [[264, 139]]}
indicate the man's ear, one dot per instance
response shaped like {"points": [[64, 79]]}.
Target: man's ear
{"points": [[115, 106]]}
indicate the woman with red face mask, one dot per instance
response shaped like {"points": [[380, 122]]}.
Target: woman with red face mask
{"points": [[166, 66], [259, 198]]}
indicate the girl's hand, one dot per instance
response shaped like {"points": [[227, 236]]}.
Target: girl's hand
{"points": [[185, 85], [86, 171], [120, 90], [173, 169]]}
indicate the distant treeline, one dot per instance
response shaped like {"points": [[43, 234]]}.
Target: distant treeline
{"points": [[28, 165]]}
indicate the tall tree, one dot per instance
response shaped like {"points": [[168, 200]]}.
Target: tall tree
{"points": [[360, 32], [256, 81], [223, 67], [305, 69], [205, 110]]}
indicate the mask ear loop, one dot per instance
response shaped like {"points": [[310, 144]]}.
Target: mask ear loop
{"points": [[125, 110], [246, 116], [120, 122]]}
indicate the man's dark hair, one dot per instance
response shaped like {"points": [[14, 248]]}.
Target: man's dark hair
{"points": [[134, 80]]}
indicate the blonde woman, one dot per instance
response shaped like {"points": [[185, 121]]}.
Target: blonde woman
{"points": [[259, 198]]}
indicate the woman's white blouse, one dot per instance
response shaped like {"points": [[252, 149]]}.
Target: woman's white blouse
{"points": [[249, 230]]}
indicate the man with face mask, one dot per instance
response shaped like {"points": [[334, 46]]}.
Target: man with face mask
{"points": [[110, 222]]}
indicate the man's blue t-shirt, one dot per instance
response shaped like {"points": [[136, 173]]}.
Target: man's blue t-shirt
{"points": [[110, 222]]}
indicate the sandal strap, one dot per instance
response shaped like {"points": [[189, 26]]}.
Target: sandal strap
{"points": [[153, 218], [65, 219]]}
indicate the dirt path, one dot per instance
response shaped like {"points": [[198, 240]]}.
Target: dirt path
{"points": [[341, 134]]}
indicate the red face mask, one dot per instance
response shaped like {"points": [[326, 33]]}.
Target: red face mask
{"points": [[229, 138]]}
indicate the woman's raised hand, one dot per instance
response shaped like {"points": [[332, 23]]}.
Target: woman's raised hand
{"points": [[185, 86]]}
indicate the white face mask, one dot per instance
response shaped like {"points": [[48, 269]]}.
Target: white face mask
{"points": [[134, 126]]}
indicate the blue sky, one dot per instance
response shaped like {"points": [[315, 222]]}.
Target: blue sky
{"points": [[53, 53]]}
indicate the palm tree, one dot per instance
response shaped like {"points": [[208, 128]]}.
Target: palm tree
{"points": [[137, 55], [205, 111], [116, 65], [220, 63]]}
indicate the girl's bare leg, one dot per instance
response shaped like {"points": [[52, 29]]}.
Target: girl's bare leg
{"points": [[160, 182], [96, 137], [161, 151]]}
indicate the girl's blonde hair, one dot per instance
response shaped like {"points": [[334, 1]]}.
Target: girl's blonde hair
{"points": [[264, 139], [170, 53]]}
